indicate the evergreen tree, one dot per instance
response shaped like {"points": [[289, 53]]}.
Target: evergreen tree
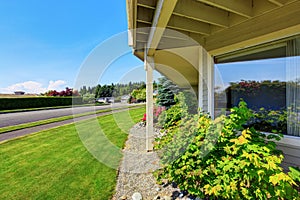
{"points": [[83, 90], [166, 92], [90, 90], [97, 91]]}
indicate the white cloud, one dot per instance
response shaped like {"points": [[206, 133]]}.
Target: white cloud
{"points": [[57, 85], [33, 87]]}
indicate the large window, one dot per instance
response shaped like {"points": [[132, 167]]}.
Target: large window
{"points": [[268, 79]]}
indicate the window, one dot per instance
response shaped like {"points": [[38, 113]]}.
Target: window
{"points": [[268, 79]]}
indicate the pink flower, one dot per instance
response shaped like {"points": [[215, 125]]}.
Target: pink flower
{"points": [[158, 111]]}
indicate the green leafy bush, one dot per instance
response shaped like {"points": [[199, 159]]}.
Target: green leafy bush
{"points": [[88, 98], [173, 115], [273, 121], [190, 99], [295, 173], [220, 159]]}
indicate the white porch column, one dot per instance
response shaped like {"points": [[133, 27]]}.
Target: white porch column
{"points": [[149, 67], [211, 85], [206, 82], [201, 82]]}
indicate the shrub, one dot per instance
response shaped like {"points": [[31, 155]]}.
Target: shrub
{"points": [[191, 101], [88, 98], [221, 159], [274, 121], [295, 174], [37, 102], [173, 115], [157, 111]]}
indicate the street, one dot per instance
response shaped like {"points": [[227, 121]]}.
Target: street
{"points": [[10, 119]]}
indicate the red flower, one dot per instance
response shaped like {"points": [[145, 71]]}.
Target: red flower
{"points": [[144, 118]]}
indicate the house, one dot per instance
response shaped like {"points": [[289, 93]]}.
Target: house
{"points": [[125, 98], [186, 39], [19, 93]]}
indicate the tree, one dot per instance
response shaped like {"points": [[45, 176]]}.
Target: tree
{"points": [[115, 90], [83, 90], [104, 91], [97, 91], [139, 94], [166, 92]]}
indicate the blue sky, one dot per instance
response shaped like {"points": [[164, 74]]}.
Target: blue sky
{"points": [[44, 43], [268, 69]]}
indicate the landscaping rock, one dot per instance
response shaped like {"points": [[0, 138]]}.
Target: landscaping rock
{"points": [[158, 198], [135, 171], [181, 195], [123, 198], [167, 198], [137, 196]]}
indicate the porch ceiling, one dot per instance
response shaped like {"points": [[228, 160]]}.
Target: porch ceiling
{"points": [[219, 26]]}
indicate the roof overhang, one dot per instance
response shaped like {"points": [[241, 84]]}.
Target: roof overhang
{"points": [[217, 25]]}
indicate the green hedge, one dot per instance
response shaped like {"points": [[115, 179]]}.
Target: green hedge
{"points": [[37, 102]]}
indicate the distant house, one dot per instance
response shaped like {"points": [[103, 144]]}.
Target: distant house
{"points": [[19, 93], [106, 100], [125, 98]]}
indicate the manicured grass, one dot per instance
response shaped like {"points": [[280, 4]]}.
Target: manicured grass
{"points": [[54, 164], [52, 120]]}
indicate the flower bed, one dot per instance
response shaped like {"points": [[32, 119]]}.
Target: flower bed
{"points": [[225, 158]]}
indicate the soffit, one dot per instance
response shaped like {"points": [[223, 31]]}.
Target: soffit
{"points": [[219, 26]]}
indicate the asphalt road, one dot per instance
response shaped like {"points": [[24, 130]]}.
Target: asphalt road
{"points": [[27, 131], [10, 119]]}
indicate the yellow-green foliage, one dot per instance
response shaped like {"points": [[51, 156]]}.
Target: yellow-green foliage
{"points": [[174, 115], [220, 159]]}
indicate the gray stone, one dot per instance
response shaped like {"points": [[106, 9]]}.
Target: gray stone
{"points": [[167, 198], [137, 196], [123, 198], [157, 189]]}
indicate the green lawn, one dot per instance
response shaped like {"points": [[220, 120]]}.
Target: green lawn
{"points": [[54, 164]]}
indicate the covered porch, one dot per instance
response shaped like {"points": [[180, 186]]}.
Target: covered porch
{"points": [[184, 39]]}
